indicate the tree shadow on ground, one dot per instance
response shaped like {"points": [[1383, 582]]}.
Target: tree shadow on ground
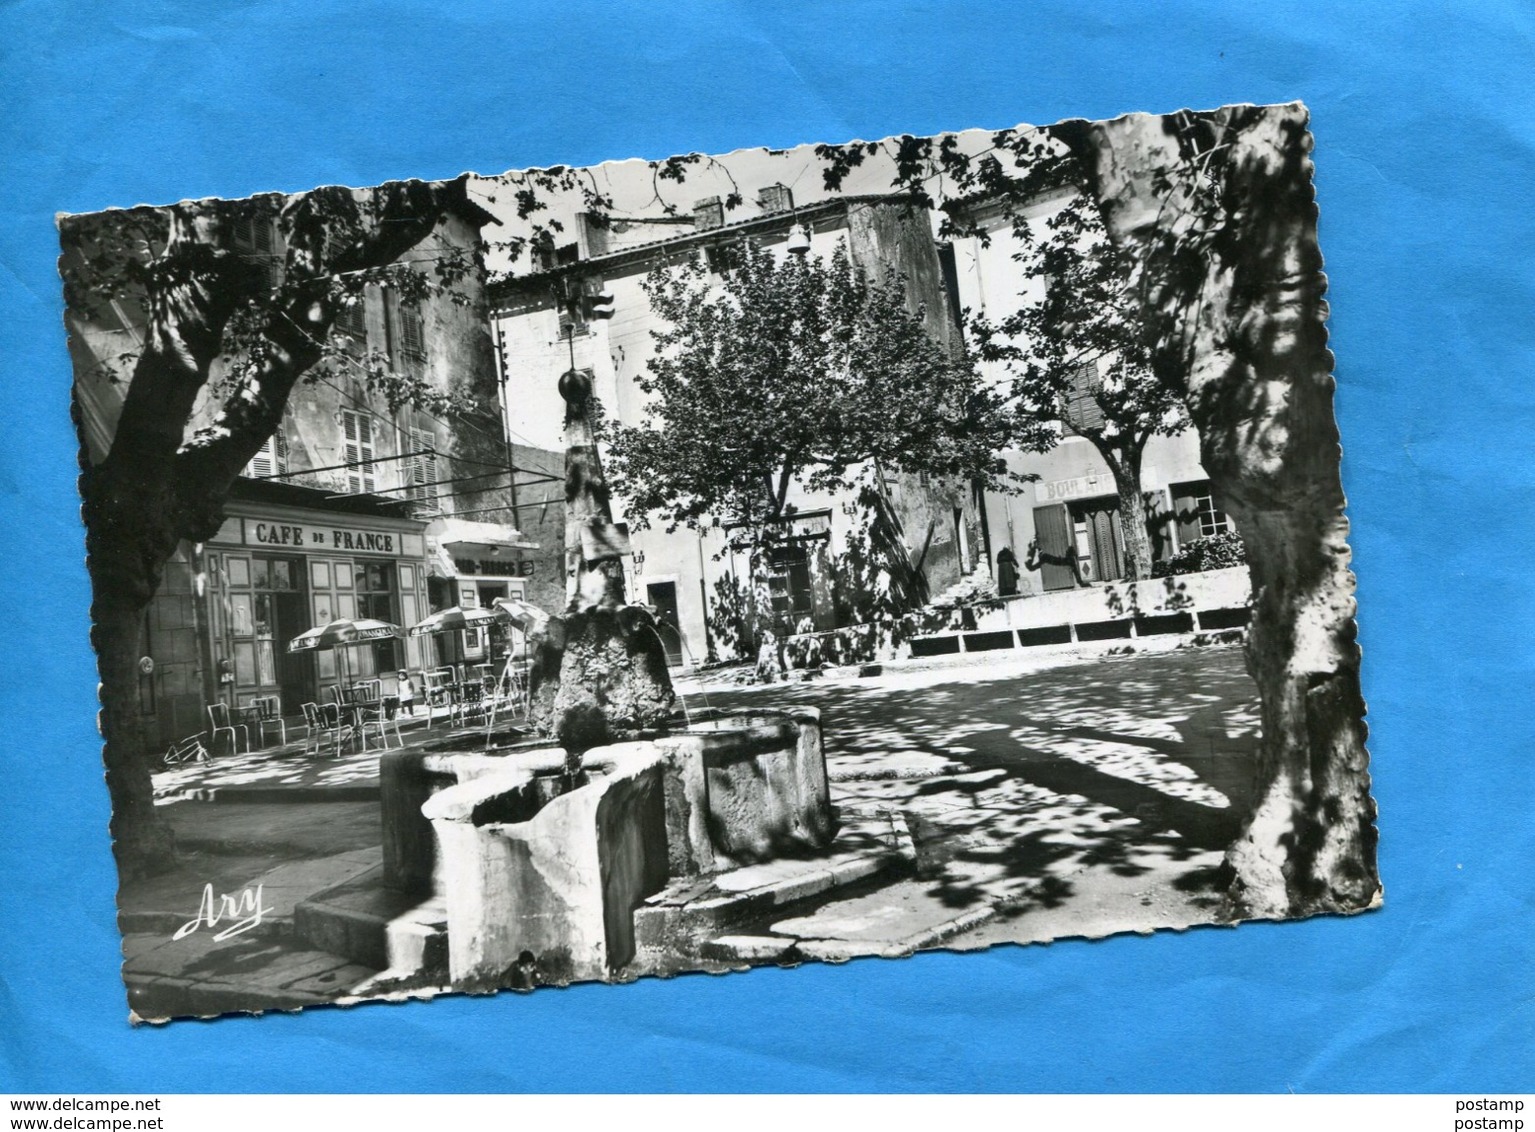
{"points": [[1123, 769]]}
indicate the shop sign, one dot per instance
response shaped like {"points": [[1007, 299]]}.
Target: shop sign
{"points": [[1082, 487], [330, 538]]}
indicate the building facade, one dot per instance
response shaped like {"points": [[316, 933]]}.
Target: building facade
{"points": [[352, 509], [546, 323], [1064, 528]]}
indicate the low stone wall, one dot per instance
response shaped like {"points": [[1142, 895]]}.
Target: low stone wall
{"points": [[1215, 599]]}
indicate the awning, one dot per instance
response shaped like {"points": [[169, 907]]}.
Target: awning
{"points": [[438, 562], [463, 539]]}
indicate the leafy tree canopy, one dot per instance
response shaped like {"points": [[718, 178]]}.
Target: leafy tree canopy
{"points": [[800, 370]]}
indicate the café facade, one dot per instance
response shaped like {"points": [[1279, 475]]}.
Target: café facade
{"points": [[355, 507], [274, 570]]}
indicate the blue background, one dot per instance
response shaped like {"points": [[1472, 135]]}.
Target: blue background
{"points": [[1426, 174]]}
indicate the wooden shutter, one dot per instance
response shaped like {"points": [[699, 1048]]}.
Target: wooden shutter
{"points": [[1186, 510], [256, 237], [357, 437], [1083, 413], [353, 321], [1157, 524], [1052, 535], [412, 332], [271, 459], [1108, 544], [421, 468]]}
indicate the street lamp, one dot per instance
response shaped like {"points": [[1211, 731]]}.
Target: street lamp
{"points": [[799, 240]]}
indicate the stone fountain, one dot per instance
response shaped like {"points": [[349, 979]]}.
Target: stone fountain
{"points": [[541, 855]]}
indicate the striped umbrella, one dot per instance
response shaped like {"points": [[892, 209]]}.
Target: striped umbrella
{"points": [[453, 619], [342, 633]]}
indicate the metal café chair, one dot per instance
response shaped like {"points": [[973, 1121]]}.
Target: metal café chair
{"points": [[382, 716], [437, 691], [325, 722], [219, 722], [266, 712], [468, 700]]}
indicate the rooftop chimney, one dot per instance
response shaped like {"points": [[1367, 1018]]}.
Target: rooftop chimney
{"points": [[775, 198], [708, 213]]}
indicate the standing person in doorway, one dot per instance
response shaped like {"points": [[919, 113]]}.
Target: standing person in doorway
{"points": [[1007, 572]]}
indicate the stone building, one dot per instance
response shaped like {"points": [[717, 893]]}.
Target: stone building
{"points": [[349, 510], [1069, 517], [689, 576]]}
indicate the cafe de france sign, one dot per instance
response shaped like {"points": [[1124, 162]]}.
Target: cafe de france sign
{"points": [[321, 536]]}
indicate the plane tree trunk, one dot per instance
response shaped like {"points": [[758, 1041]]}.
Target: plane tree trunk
{"points": [[1125, 467], [1231, 288], [157, 486]]}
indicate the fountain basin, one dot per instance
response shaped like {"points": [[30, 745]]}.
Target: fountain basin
{"points": [[542, 873], [745, 787], [408, 778]]}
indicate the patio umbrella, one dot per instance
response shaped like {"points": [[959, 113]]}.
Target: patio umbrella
{"points": [[453, 619], [342, 633], [525, 615]]}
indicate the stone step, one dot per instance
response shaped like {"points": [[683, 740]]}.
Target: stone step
{"points": [[686, 917], [404, 935]]}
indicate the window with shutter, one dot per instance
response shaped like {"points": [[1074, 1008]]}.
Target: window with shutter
{"points": [[353, 321], [256, 238], [421, 468], [1083, 413], [271, 459], [1196, 513], [357, 451], [412, 332]]}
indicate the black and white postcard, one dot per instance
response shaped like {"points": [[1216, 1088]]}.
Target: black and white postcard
{"points": [[693, 564]]}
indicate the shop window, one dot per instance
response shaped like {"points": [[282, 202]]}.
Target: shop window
{"points": [[376, 599], [357, 451], [241, 615], [275, 574], [245, 663]]}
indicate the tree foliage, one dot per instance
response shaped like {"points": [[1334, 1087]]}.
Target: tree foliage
{"points": [[795, 371], [1084, 320], [1214, 216], [1077, 356], [230, 325]]}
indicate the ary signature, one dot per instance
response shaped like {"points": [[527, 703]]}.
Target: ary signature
{"points": [[245, 908]]}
